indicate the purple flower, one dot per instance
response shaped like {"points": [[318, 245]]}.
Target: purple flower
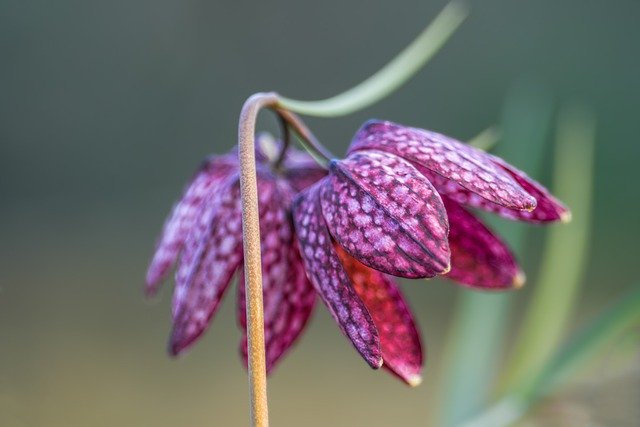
{"points": [[393, 207], [204, 235], [396, 206]]}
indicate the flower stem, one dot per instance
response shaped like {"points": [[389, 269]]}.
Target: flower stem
{"points": [[309, 140], [252, 257], [391, 76]]}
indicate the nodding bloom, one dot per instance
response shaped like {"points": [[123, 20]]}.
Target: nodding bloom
{"points": [[203, 234], [396, 206]]}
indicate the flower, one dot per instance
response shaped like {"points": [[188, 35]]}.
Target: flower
{"points": [[204, 235], [393, 207]]}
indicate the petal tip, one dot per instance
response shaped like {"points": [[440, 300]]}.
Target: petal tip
{"points": [[519, 280], [447, 269], [565, 217], [530, 205], [414, 380], [378, 363], [174, 348]]}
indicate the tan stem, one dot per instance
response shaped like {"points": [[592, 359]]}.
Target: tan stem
{"points": [[252, 258]]}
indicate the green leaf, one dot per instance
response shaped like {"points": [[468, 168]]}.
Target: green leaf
{"points": [[475, 343], [565, 250], [585, 345]]}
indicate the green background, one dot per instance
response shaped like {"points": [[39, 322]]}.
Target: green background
{"points": [[107, 107]]}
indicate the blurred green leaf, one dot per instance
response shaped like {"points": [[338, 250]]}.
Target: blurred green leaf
{"points": [[590, 341], [476, 339], [565, 250]]}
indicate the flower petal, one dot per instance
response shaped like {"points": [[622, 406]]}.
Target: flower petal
{"points": [[461, 163], [329, 277], [549, 208], [479, 258], [387, 215], [211, 256], [184, 216], [399, 337], [288, 296]]}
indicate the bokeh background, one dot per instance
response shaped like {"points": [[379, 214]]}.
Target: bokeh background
{"points": [[107, 107]]}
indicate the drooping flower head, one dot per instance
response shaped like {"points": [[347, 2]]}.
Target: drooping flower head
{"points": [[393, 207], [396, 206], [204, 235]]}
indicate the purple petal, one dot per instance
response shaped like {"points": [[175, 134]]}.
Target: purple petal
{"points": [[184, 216], [478, 257], [433, 153], [329, 278], [549, 208], [387, 215], [399, 337], [288, 295], [211, 256]]}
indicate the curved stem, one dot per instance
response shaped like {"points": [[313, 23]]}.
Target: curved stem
{"points": [[252, 257], [391, 76], [310, 142], [286, 141]]}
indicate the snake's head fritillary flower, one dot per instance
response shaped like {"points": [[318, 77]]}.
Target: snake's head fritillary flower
{"points": [[394, 207], [203, 236]]}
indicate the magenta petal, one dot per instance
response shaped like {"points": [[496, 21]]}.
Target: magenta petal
{"points": [[288, 296], [549, 208], [329, 278], [478, 257], [387, 215], [212, 254], [461, 163], [399, 337], [184, 216]]}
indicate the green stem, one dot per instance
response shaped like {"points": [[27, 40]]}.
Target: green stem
{"points": [[391, 76], [565, 252]]}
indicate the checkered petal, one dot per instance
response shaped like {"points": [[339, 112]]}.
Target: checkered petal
{"points": [[184, 216], [478, 257], [399, 336], [288, 296], [387, 215], [212, 255], [436, 154], [330, 279]]}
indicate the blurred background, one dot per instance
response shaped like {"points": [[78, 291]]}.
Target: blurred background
{"points": [[106, 108]]}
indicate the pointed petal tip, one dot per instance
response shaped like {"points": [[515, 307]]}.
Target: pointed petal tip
{"points": [[174, 348], [414, 380], [179, 343], [565, 217], [378, 363], [530, 205], [150, 290], [519, 280], [447, 268]]}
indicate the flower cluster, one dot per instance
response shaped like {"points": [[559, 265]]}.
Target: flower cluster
{"points": [[396, 206]]}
